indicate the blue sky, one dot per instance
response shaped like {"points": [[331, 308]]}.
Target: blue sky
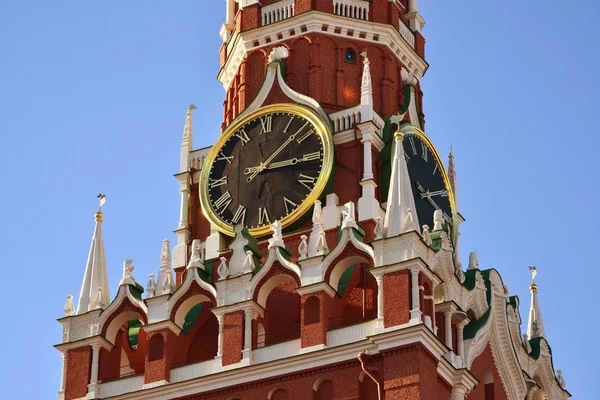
{"points": [[93, 100]]}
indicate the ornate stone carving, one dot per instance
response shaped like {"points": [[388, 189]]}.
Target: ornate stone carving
{"points": [[277, 239], [197, 257], [278, 54], [438, 220], [303, 247], [151, 288], [379, 230], [128, 278], [69, 307], [349, 216], [223, 269], [426, 235], [473, 262]]}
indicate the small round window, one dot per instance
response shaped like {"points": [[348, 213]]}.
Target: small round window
{"points": [[350, 56]]}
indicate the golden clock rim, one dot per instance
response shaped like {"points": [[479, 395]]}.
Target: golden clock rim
{"points": [[322, 129], [413, 130]]}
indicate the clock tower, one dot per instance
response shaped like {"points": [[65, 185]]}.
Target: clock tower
{"points": [[317, 250]]}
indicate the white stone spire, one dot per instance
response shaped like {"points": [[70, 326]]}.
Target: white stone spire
{"points": [[187, 141], [535, 326], [400, 202], [452, 177], [366, 92], [96, 276]]}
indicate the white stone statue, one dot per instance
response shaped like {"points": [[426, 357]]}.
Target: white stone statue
{"points": [[303, 247], [526, 343], [426, 235], [151, 288], [98, 301], [322, 247], [69, 307], [438, 220], [278, 53], [127, 278], [349, 216], [165, 255], [249, 262], [446, 243], [317, 217], [277, 239], [560, 379], [223, 269], [379, 229], [238, 255], [197, 257], [473, 261]]}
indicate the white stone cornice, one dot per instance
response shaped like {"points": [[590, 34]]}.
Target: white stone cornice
{"points": [[314, 22], [243, 306], [90, 341], [158, 326], [413, 263], [315, 288]]}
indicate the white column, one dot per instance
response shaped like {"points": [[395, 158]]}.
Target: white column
{"points": [[230, 12], [184, 210], [247, 352], [380, 300], [413, 5], [93, 386], [368, 159], [460, 344], [415, 312], [458, 393], [448, 326], [220, 341], [63, 377]]}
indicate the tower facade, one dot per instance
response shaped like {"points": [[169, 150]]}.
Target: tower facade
{"points": [[317, 249]]}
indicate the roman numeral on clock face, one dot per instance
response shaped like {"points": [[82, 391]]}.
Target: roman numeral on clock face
{"points": [[305, 136], [289, 205], [424, 153], [263, 216], [412, 145], [288, 125], [244, 138], [312, 156], [307, 181], [223, 202], [213, 183], [266, 124], [223, 157], [240, 215]]}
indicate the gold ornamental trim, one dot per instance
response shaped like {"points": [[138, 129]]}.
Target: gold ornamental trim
{"points": [[321, 129]]}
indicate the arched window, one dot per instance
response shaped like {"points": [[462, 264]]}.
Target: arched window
{"points": [[324, 390], [312, 310], [156, 347], [350, 56], [260, 336]]}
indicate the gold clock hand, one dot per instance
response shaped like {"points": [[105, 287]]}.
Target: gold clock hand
{"points": [[285, 163], [265, 164]]}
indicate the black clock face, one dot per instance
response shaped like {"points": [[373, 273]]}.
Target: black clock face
{"points": [[265, 170], [426, 180]]}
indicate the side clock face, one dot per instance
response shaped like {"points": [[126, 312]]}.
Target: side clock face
{"points": [[272, 165], [428, 180]]}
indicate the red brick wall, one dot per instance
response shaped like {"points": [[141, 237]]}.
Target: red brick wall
{"points": [[324, 390], [78, 370], [315, 307], [282, 315], [233, 337], [159, 355], [110, 361], [396, 304], [486, 360]]}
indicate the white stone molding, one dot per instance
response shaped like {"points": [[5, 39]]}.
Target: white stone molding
{"points": [[190, 278], [235, 290], [159, 326], [347, 238], [274, 72], [79, 327], [332, 215], [121, 317], [316, 288], [415, 310], [158, 309], [401, 248], [324, 23], [275, 254], [312, 270]]}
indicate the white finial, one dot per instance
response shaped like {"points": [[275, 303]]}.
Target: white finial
{"points": [[317, 229], [187, 141], [400, 200], [446, 244], [69, 307], [197, 257], [366, 92], [277, 240], [438, 220], [151, 288], [322, 247], [526, 343], [460, 274], [535, 326], [303, 247], [99, 300], [278, 54], [473, 261], [96, 275], [379, 230], [164, 283], [561, 379], [249, 262], [349, 216], [127, 278], [223, 269], [426, 235]]}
